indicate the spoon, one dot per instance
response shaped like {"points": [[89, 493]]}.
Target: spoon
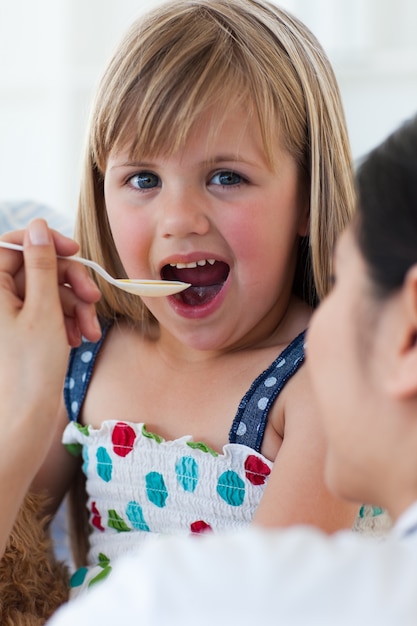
{"points": [[139, 287]]}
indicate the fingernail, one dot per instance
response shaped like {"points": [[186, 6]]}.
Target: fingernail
{"points": [[38, 233]]}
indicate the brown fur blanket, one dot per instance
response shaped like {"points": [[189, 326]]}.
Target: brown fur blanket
{"points": [[33, 583]]}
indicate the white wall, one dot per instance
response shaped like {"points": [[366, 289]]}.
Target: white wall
{"points": [[52, 53]]}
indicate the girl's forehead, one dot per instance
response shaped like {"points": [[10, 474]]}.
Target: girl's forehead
{"points": [[218, 128]]}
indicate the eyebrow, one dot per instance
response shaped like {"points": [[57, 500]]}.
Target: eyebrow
{"points": [[131, 164], [221, 158], [228, 157]]}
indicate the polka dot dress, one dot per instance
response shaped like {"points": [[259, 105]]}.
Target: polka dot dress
{"points": [[140, 486]]}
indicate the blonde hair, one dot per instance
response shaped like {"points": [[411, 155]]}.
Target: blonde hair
{"points": [[190, 54]]}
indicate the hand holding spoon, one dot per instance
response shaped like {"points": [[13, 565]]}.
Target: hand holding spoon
{"points": [[139, 287]]}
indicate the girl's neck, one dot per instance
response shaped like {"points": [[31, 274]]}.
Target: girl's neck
{"points": [[272, 332]]}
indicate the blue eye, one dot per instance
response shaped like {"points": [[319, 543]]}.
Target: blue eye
{"points": [[144, 180], [226, 178]]}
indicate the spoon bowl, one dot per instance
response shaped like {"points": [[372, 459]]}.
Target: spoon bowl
{"points": [[139, 287]]}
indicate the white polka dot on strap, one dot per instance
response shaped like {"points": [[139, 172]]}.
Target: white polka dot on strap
{"points": [[74, 406], [241, 430], [270, 382], [281, 362], [262, 403], [86, 356]]}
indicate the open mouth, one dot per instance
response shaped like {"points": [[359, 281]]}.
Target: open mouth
{"points": [[207, 278]]}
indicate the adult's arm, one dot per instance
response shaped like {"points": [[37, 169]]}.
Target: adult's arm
{"points": [[34, 342]]}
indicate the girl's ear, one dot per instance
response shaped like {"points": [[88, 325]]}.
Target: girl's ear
{"points": [[403, 379]]}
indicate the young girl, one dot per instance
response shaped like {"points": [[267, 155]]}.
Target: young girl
{"points": [[368, 405], [218, 156]]}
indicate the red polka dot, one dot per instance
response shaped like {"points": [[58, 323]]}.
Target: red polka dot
{"points": [[200, 527], [96, 517], [123, 438], [256, 470]]}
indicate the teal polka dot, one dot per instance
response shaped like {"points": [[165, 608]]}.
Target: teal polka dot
{"points": [[135, 516], [186, 469], [104, 464], [85, 459], [231, 488], [156, 489], [78, 577]]}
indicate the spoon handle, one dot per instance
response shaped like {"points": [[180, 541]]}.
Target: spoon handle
{"points": [[11, 246], [16, 246]]}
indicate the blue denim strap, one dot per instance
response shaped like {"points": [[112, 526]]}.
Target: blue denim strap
{"points": [[249, 425], [80, 368]]}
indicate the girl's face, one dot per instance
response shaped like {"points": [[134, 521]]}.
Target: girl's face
{"points": [[216, 215], [347, 353]]}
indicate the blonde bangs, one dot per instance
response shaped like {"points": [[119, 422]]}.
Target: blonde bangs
{"points": [[174, 66], [151, 102]]}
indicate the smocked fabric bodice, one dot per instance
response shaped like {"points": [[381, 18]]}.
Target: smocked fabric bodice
{"points": [[140, 486]]}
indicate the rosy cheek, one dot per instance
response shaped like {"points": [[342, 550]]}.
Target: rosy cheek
{"points": [[244, 244], [134, 248]]}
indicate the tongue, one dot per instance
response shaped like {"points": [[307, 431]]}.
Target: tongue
{"points": [[206, 281], [196, 296]]}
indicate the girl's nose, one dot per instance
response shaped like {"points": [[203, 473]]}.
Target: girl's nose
{"points": [[184, 214]]}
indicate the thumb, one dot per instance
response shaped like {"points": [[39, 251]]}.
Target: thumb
{"points": [[41, 288]]}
